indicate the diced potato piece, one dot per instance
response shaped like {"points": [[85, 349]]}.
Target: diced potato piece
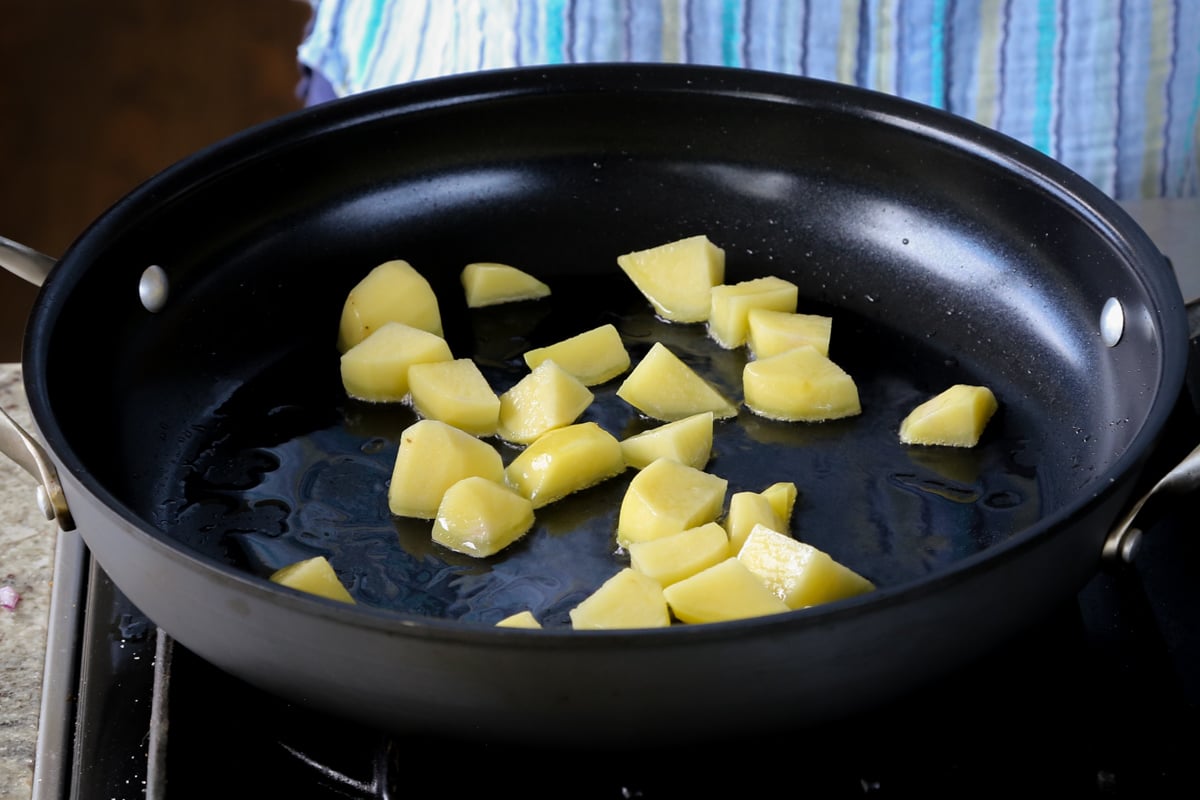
{"points": [[954, 418], [728, 590], [628, 599], [594, 356], [565, 460], [668, 497], [677, 277], [796, 572], [548, 397], [770, 332], [455, 392], [663, 387], [728, 317], [376, 369], [688, 441], [480, 517], [746, 510], [433, 456], [391, 292], [489, 284], [782, 497], [521, 619], [680, 555], [799, 385], [315, 576]]}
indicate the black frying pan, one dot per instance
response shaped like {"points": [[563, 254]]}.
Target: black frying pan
{"points": [[208, 442]]}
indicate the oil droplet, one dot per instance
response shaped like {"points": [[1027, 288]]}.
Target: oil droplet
{"points": [[1002, 500], [372, 446]]}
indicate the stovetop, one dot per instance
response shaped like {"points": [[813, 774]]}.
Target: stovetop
{"points": [[1100, 699]]}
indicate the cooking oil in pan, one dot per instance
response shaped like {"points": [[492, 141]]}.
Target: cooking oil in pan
{"points": [[291, 468]]}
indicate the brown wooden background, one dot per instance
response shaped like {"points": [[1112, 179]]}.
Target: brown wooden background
{"points": [[96, 97]]}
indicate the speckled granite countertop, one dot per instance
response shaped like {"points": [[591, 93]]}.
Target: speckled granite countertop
{"points": [[27, 543]]}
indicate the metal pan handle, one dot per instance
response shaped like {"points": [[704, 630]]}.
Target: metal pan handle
{"points": [[23, 449], [24, 262], [28, 454], [1125, 536]]}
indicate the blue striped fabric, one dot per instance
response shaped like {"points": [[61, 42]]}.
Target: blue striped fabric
{"points": [[1111, 88]]}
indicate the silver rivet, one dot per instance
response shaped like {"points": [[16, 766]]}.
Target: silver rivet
{"points": [[1112, 322], [153, 288]]}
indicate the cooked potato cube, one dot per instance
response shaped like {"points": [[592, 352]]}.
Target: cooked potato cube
{"points": [[769, 332], [663, 387], [549, 397], [782, 497], [799, 385], [433, 456], [455, 392], [315, 576], [954, 418], [722, 592], [628, 599], [376, 369], [594, 356], [680, 555], [667, 497], [688, 441], [489, 284], [480, 517], [728, 318], [391, 292], [521, 619], [746, 510], [677, 277], [565, 460], [796, 572]]}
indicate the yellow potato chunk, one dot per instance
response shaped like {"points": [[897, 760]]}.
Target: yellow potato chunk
{"points": [[432, 457], [728, 317], [746, 510], [455, 392], [480, 517], [548, 397], [490, 284], [689, 441], [563, 461], [665, 388], [677, 277], [391, 292], [782, 497], [594, 356], [722, 592], [315, 576], [770, 332], [954, 418], [796, 572], [799, 385], [680, 555], [628, 599], [667, 497], [521, 619], [376, 369]]}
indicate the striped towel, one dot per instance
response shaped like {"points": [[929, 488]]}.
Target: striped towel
{"points": [[1110, 88]]}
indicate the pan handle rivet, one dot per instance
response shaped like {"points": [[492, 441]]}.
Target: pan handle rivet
{"points": [[153, 289], [1112, 321]]}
